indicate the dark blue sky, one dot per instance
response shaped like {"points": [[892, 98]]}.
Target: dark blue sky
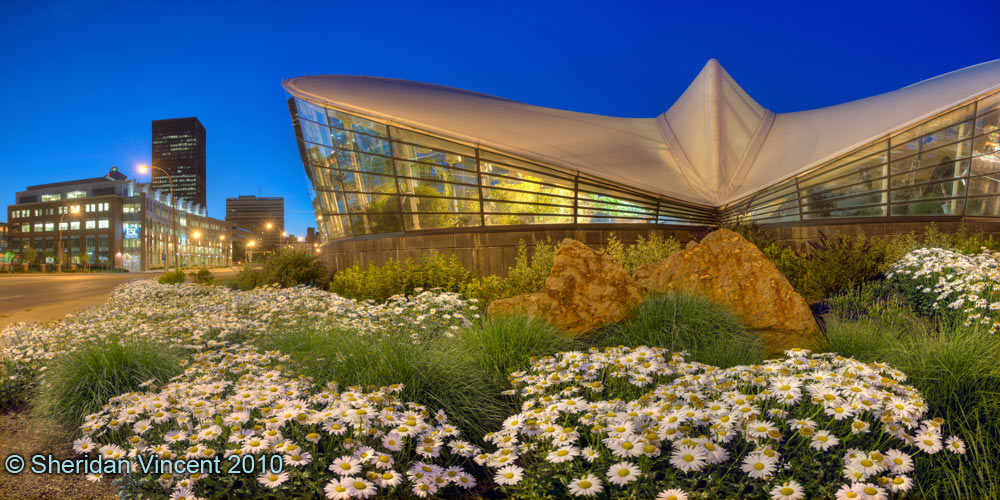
{"points": [[81, 81]]}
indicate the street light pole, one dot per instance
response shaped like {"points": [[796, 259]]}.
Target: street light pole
{"points": [[75, 210], [173, 220]]}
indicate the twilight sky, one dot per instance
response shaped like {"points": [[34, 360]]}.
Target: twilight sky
{"points": [[81, 81]]}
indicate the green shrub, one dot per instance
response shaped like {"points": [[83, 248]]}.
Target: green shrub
{"points": [[249, 278], [486, 289], [645, 251], [686, 323], [435, 374], [172, 278], [202, 277], [528, 274], [956, 370], [401, 278], [290, 268], [79, 383], [507, 344]]}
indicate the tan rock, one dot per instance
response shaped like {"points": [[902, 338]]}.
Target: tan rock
{"points": [[735, 274], [586, 289]]}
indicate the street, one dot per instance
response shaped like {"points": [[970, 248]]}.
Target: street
{"points": [[45, 297]]}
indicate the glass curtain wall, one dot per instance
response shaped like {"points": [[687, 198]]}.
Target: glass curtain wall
{"points": [[372, 178], [948, 165]]}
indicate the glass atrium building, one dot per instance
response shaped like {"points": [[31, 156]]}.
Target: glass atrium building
{"points": [[390, 157]]}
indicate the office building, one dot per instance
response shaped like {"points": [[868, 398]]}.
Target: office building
{"points": [[111, 222], [255, 214], [179, 149]]}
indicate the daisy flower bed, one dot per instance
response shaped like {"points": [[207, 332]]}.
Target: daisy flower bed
{"points": [[620, 422], [938, 280], [645, 423]]}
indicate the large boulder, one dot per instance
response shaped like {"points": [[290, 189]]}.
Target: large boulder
{"points": [[586, 289], [732, 272]]}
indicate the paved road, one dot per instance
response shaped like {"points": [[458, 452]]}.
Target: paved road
{"points": [[38, 297]]}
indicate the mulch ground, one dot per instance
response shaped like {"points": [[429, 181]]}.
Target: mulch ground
{"points": [[23, 436]]}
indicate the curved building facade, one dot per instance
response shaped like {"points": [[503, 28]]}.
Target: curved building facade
{"points": [[398, 159]]}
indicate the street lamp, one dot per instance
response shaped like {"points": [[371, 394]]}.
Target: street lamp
{"points": [[225, 253], [173, 220], [281, 242], [249, 252], [197, 236], [75, 209]]}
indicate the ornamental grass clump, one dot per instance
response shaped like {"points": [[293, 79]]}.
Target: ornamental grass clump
{"points": [[643, 422], [82, 381]]}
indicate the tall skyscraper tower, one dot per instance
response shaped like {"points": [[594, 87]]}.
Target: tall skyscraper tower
{"points": [[179, 148]]}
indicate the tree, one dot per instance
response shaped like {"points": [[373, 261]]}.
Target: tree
{"points": [[84, 259], [30, 255]]}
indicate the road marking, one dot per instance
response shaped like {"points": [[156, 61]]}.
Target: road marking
{"points": [[11, 297]]}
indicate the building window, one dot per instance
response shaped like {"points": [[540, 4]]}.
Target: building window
{"points": [[51, 197], [74, 225], [38, 228], [25, 228], [91, 224], [50, 226], [72, 195], [103, 223]]}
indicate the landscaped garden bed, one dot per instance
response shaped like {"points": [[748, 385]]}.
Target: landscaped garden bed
{"points": [[310, 394]]}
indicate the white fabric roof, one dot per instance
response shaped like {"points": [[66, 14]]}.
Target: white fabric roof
{"points": [[714, 145]]}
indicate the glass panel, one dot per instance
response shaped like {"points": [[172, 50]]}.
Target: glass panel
{"points": [[341, 180], [870, 199], [348, 121], [773, 220], [527, 208], [349, 160], [950, 189], [875, 211], [497, 163], [376, 223], [988, 143], [613, 220], [416, 222], [371, 203], [867, 186], [360, 142], [865, 166], [987, 184], [938, 207], [431, 188], [310, 111], [933, 125], [433, 156], [863, 171], [607, 214], [941, 137], [524, 197], [432, 204], [338, 226], [332, 202], [619, 207], [315, 133], [988, 104], [321, 156], [435, 172], [946, 169], [510, 219], [986, 164], [432, 143], [983, 206], [987, 122]]}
